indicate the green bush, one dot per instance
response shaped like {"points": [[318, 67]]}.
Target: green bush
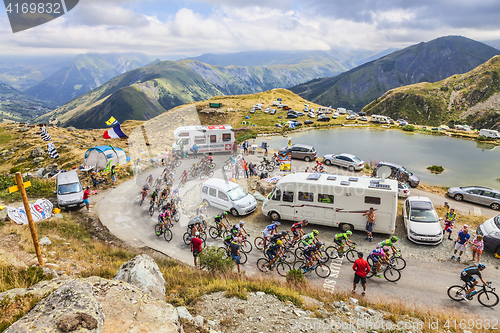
{"points": [[408, 128], [295, 276], [214, 261], [15, 169], [435, 169]]}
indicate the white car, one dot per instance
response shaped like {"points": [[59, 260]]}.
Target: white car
{"points": [[335, 115], [403, 190], [227, 196], [421, 221], [311, 115], [363, 118], [351, 117], [267, 110]]}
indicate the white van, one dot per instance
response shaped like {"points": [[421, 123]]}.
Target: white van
{"points": [[334, 200], [227, 196], [69, 190], [324, 109], [492, 134], [210, 139], [380, 119], [341, 111]]}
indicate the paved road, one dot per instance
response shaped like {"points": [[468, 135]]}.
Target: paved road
{"points": [[423, 282]]}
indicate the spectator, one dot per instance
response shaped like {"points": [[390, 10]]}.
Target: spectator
{"points": [[233, 171], [250, 169], [369, 224], [307, 169], [196, 244], [113, 175], [237, 169], [86, 195], [449, 221], [477, 247], [461, 244], [195, 150], [265, 148], [235, 253], [235, 148], [361, 268], [245, 147], [245, 167]]}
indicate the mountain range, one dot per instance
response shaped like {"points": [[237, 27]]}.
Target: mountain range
{"points": [[16, 106], [423, 62]]}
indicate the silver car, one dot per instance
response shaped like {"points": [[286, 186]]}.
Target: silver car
{"points": [[348, 161], [478, 194]]}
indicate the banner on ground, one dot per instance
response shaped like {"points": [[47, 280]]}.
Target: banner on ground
{"points": [[40, 210], [286, 158]]}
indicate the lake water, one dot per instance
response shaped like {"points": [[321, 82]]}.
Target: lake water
{"points": [[466, 162]]}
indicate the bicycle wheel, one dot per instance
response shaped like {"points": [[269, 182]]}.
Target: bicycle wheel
{"points": [[158, 229], [299, 254], [323, 256], [283, 268], [212, 166], [391, 274], [260, 167], [222, 251], [243, 258], [372, 271], [298, 264], [331, 252], [246, 246], [151, 210], [167, 235], [225, 167], [399, 263], [210, 174], [262, 264], [178, 163], [289, 257], [177, 215], [456, 292], [140, 203], [323, 271], [259, 243], [187, 238], [213, 232], [270, 168], [488, 298], [351, 255]]}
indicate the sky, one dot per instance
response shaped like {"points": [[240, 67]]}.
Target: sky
{"points": [[194, 27]]}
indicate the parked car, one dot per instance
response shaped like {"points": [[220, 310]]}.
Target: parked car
{"points": [[227, 196], [348, 161], [421, 221], [278, 125], [363, 118], [335, 115], [308, 122], [323, 117], [300, 114], [273, 111], [69, 190], [403, 123], [252, 111], [490, 230], [351, 117], [362, 114], [478, 194], [400, 120], [400, 172], [302, 152], [311, 115], [291, 115], [267, 110], [403, 190]]}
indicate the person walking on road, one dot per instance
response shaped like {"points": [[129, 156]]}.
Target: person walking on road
{"points": [[235, 148], [462, 241], [369, 224], [196, 244], [361, 268]]}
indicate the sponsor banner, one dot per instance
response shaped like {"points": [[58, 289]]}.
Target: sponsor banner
{"points": [[284, 156], [40, 210]]}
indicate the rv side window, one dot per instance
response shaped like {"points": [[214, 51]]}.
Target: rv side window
{"points": [[204, 189], [212, 192], [306, 196], [223, 196], [325, 198], [277, 195], [200, 139], [226, 137], [213, 138], [372, 200], [287, 196]]}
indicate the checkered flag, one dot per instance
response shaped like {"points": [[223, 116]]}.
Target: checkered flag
{"points": [[52, 150], [45, 135]]}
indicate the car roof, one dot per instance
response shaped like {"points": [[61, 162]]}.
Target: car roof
{"points": [[67, 177], [420, 202], [220, 183], [347, 155]]}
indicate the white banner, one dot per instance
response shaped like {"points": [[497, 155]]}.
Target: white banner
{"points": [[40, 210]]}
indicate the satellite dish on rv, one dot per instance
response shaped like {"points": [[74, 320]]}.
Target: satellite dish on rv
{"points": [[383, 172]]}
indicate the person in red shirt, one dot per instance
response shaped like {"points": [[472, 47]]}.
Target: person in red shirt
{"points": [[86, 195], [361, 268], [196, 244]]}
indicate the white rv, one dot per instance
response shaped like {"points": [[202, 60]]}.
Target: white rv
{"points": [[210, 139], [323, 109], [493, 134], [379, 119], [334, 200], [341, 111]]}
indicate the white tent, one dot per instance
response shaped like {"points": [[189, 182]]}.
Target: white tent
{"points": [[100, 156]]}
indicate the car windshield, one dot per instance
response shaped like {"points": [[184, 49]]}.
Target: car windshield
{"points": [[69, 188], [237, 193], [497, 221], [424, 212]]}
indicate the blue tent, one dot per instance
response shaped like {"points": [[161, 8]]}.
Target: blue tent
{"points": [[100, 156], [279, 99]]}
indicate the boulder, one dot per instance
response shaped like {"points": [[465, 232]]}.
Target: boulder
{"points": [[143, 273], [51, 167], [21, 159], [23, 129], [71, 129], [63, 146], [39, 172], [37, 160], [44, 241], [69, 307], [7, 259], [184, 313], [264, 187], [37, 152], [258, 196]]}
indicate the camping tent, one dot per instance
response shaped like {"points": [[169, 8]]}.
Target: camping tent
{"points": [[100, 156]]}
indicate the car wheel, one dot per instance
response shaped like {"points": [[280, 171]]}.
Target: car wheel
{"points": [[328, 162], [495, 206], [275, 216], [458, 197], [350, 168], [307, 159], [346, 227], [234, 212]]}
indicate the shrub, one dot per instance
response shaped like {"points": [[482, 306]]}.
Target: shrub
{"points": [[408, 128], [214, 261], [295, 276], [435, 169]]}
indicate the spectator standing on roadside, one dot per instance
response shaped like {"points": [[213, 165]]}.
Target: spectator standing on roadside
{"points": [[369, 224], [86, 195], [235, 253], [477, 247], [245, 147], [361, 268], [237, 169], [449, 221], [195, 150], [461, 244], [250, 168], [113, 175], [196, 244], [235, 148], [245, 167]]}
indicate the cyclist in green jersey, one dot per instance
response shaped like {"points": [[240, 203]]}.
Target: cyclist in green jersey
{"points": [[341, 239], [390, 243]]}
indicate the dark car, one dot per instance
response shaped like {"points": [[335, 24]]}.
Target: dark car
{"points": [[490, 230], [362, 114], [399, 173], [291, 115], [323, 117], [296, 122], [308, 122]]}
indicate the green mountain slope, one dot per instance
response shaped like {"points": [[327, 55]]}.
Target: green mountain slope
{"points": [[84, 73], [424, 62], [14, 105], [472, 98]]}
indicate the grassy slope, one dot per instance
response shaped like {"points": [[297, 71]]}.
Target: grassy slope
{"points": [[445, 101], [17, 106]]}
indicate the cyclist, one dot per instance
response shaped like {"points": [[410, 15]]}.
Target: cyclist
{"points": [[310, 238], [310, 253], [183, 177], [150, 179], [164, 195], [273, 252], [237, 228], [229, 238], [467, 276], [297, 229], [195, 225], [278, 236], [390, 243], [318, 167], [378, 256], [341, 239], [202, 209], [153, 197], [270, 230], [218, 220], [145, 190]]}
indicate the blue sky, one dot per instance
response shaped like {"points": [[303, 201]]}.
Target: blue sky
{"points": [[194, 27]]}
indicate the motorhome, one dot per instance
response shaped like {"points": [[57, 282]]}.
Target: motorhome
{"points": [[324, 109], [210, 139], [334, 200], [379, 119], [493, 134], [341, 111]]}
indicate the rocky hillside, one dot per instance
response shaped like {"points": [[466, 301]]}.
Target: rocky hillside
{"points": [[472, 98], [425, 62]]}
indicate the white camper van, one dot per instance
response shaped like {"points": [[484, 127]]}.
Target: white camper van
{"points": [[210, 139], [334, 200], [69, 190], [379, 119], [492, 134], [323, 109], [341, 111], [228, 196]]}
